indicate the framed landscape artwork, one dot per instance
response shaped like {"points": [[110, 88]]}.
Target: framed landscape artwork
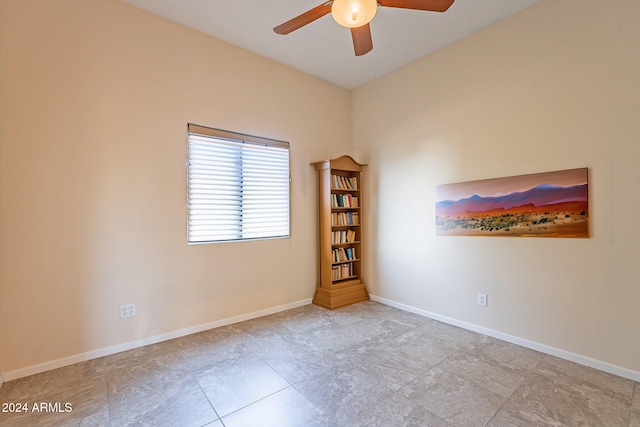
{"points": [[550, 204]]}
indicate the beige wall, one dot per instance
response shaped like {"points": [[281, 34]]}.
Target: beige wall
{"points": [[554, 87], [96, 96]]}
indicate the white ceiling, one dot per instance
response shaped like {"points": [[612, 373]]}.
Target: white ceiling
{"points": [[323, 48]]}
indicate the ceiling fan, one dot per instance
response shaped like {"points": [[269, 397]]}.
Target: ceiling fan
{"points": [[356, 15]]}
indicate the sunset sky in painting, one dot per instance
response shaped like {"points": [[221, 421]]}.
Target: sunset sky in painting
{"points": [[512, 184]]}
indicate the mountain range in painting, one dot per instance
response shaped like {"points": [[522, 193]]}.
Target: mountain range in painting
{"points": [[540, 196]]}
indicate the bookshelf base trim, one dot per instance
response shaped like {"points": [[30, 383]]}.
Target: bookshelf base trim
{"points": [[336, 298]]}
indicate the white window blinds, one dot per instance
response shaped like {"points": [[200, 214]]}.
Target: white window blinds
{"points": [[238, 186]]}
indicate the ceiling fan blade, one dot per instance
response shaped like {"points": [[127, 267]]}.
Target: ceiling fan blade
{"points": [[430, 5], [304, 19], [362, 42]]}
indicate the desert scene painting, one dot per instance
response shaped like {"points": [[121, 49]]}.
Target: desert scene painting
{"points": [[550, 204]]}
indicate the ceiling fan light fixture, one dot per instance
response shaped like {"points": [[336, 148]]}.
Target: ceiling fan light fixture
{"points": [[353, 13]]}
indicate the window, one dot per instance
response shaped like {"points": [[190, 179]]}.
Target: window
{"points": [[237, 186]]}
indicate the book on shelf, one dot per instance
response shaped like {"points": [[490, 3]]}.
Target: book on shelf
{"points": [[344, 201], [345, 218], [344, 254], [340, 182], [342, 271], [339, 237]]}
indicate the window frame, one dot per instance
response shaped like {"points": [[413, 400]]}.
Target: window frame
{"points": [[233, 138]]}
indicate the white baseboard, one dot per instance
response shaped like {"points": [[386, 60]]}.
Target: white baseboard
{"points": [[106, 351], [94, 354], [563, 354]]}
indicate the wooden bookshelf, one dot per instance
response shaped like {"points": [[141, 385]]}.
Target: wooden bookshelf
{"points": [[339, 233]]}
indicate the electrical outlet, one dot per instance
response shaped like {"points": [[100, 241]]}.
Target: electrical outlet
{"points": [[127, 310], [482, 300]]}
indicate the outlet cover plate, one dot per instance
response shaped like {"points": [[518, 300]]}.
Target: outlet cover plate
{"points": [[482, 300], [127, 310]]}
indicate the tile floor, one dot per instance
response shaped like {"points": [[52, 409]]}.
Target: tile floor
{"points": [[363, 365]]}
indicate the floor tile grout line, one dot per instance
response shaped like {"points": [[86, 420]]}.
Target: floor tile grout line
{"points": [[634, 392], [480, 336], [106, 381], [429, 369], [319, 410], [531, 372], [261, 358], [194, 374], [353, 366], [206, 396], [194, 377], [252, 403]]}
